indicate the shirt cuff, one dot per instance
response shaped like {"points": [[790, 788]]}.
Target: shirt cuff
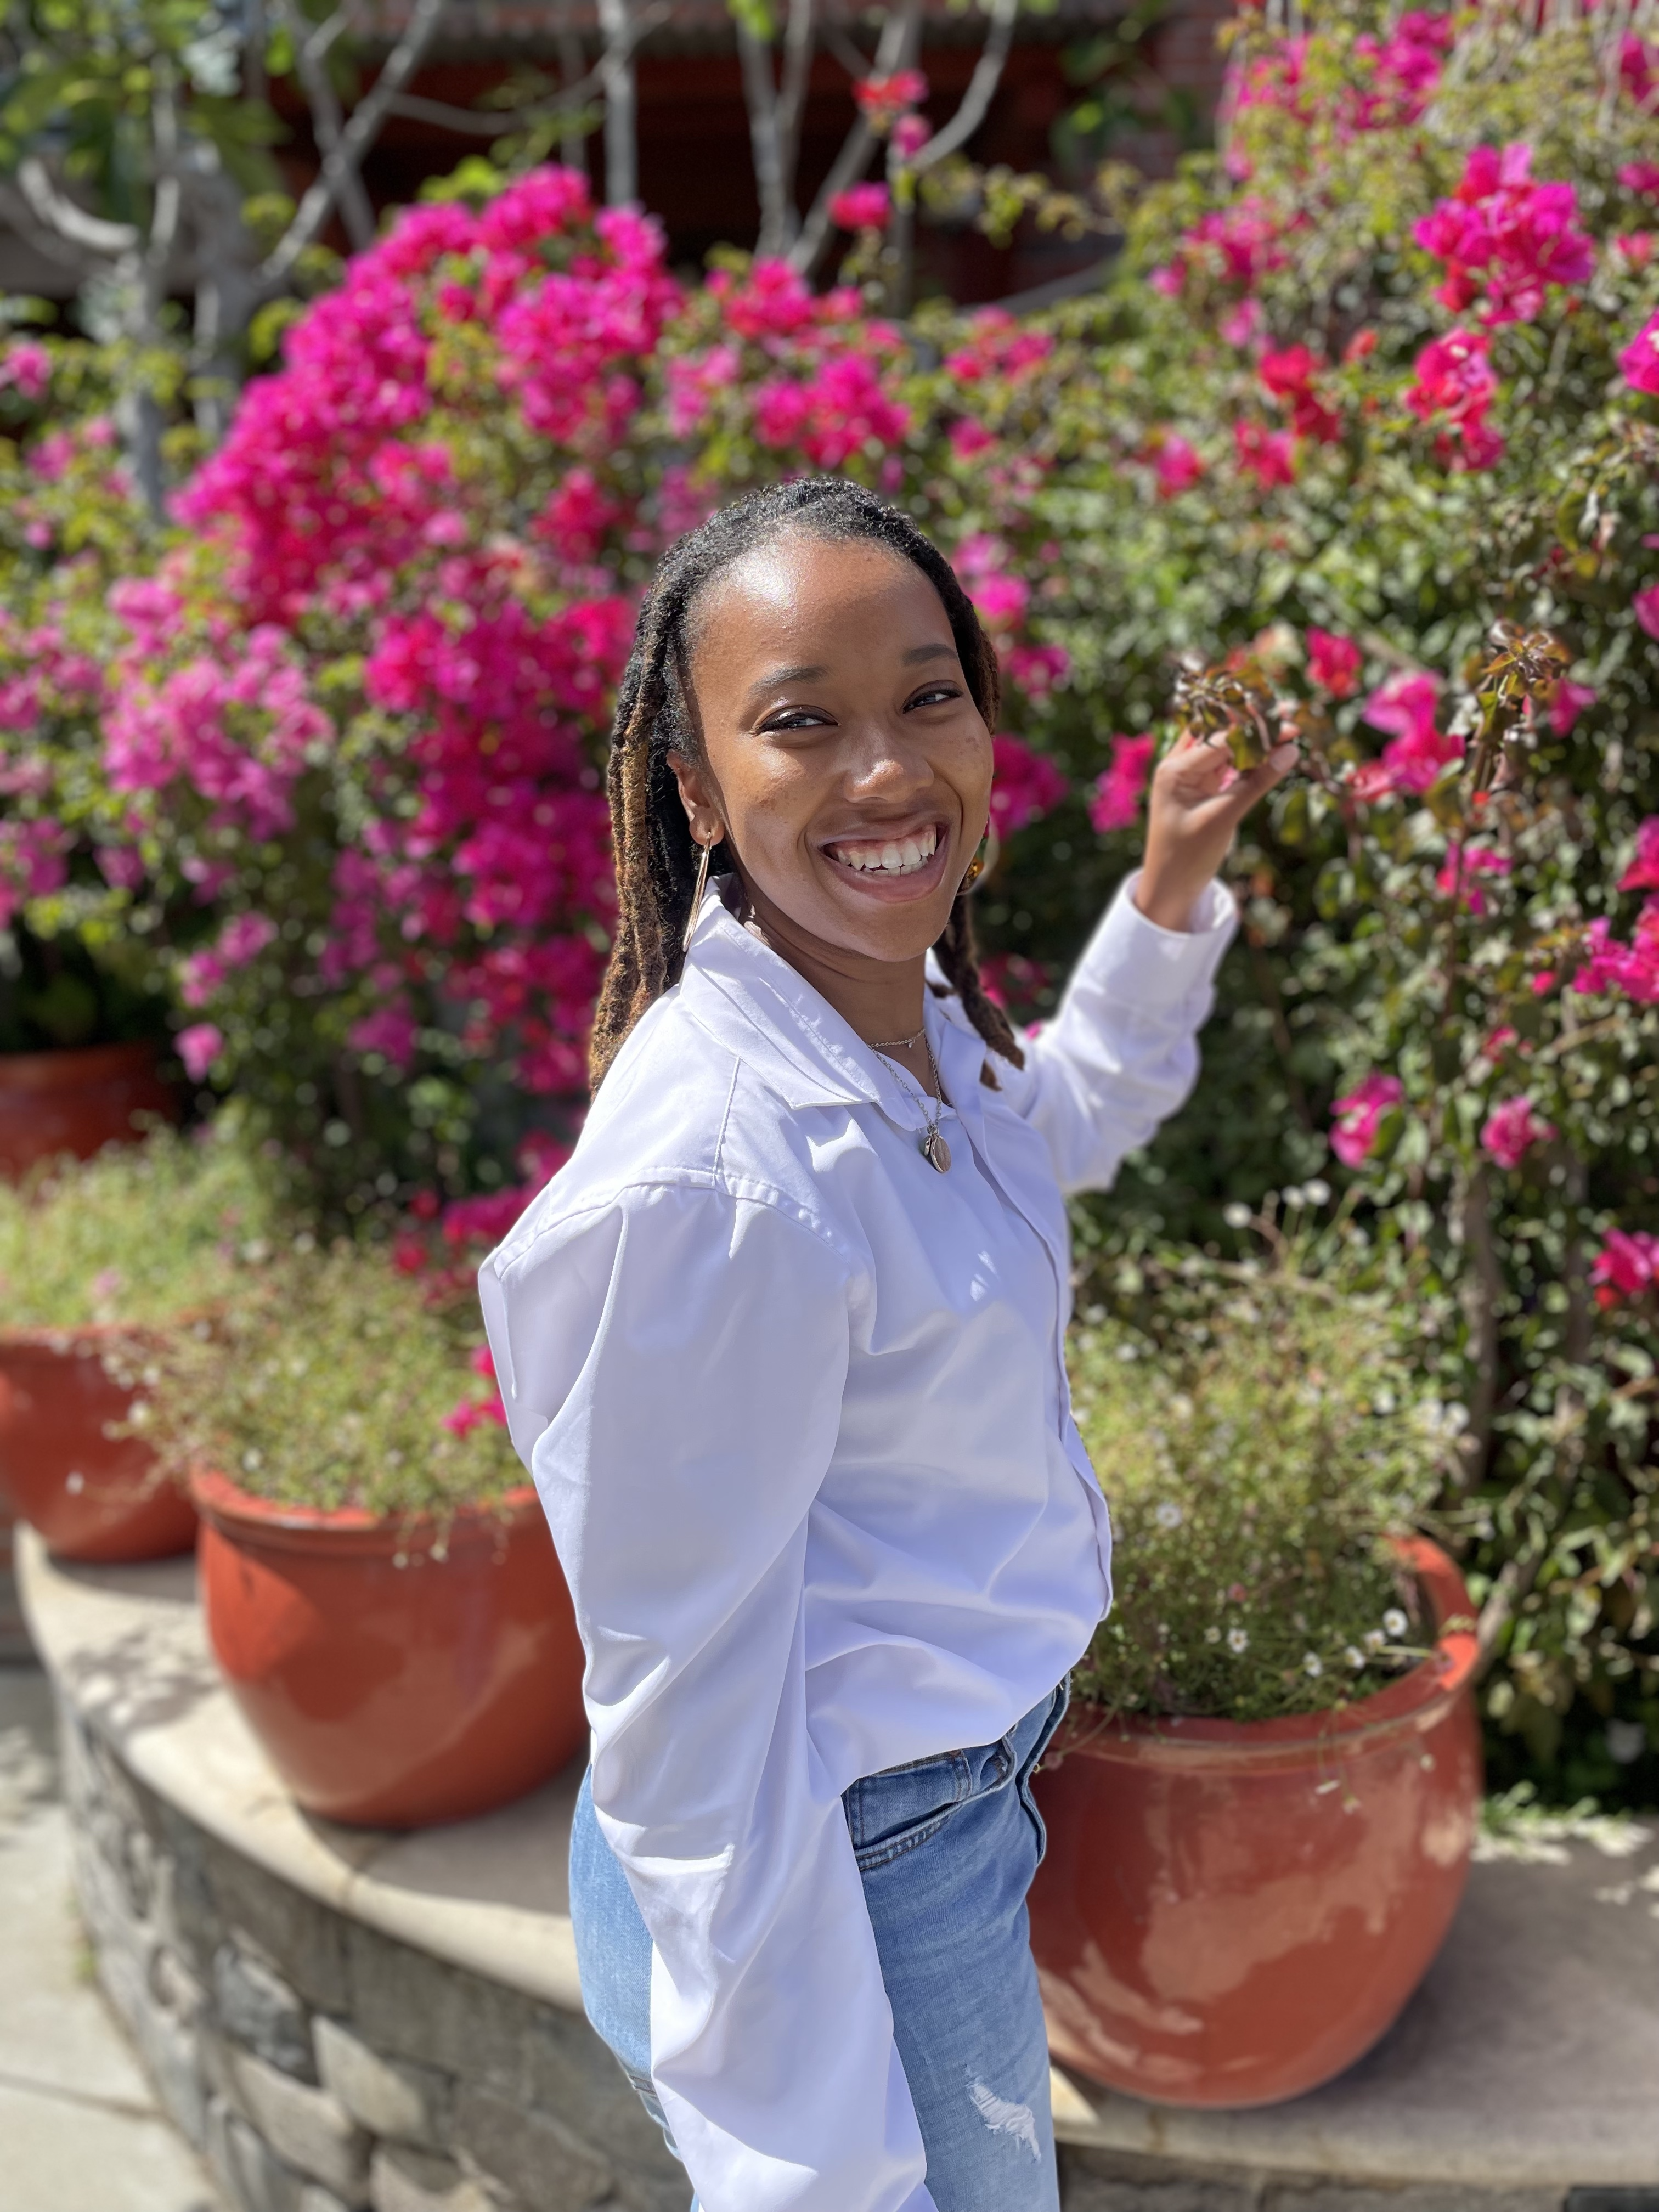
{"points": [[1137, 963]]}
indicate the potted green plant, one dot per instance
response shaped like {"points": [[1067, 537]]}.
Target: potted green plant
{"points": [[1262, 1806], [100, 1263], [381, 1589]]}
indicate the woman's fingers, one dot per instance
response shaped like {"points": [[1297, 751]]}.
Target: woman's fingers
{"points": [[1233, 805]]}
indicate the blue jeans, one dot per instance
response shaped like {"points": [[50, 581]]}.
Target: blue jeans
{"points": [[947, 1848]]}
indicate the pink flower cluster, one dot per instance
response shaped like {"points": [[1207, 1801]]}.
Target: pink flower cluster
{"points": [[1407, 707], [1511, 1131], [1289, 374], [1626, 1265], [1026, 785], [1630, 971], [862, 207], [1359, 1117], [1452, 385], [1517, 236], [883, 100], [1121, 790], [1334, 662], [1461, 872]]}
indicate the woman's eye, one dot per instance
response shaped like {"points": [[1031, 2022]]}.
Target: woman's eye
{"points": [[936, 694], [797, 717]]}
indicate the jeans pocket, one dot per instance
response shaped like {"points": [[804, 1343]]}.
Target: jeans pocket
{"points": [[1033, 1760], [895, 1812]]}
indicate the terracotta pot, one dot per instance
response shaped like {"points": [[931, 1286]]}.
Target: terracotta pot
{"points": [[1231, 1912], [90, 1495], [393, 1681], [75, 1100]]}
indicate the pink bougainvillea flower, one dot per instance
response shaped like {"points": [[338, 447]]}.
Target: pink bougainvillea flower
{"points": [[1359, 1117], [1613, 968], [969, 438], [1334, 662], [1037, 668], [1120, 791], [1626, 1267], [882, 99], [1640, 358], [27, 368], [199, 1045], [997, 345], [1405, 707], [1519, 236], [1452, 385], [1645, 607], [1643, 873], [1461, 870], [862, 207], [1569, 702], [910, 135], [1024, 785], [1268, 456], [1177, 465], [1242, 325], [1640, 177], [1511, 1131]]}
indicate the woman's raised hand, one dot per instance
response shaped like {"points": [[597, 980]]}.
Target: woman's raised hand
{"points": [[1198, 800]]}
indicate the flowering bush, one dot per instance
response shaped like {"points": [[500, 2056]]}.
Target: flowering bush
{"points": [[353, 720], [1366, 427], [1259, 1440]]}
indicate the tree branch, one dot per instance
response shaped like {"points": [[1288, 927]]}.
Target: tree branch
{"points": [[899, 35], [800, 38], [760, 97], [345, 159], [570, 97], [55, 213], [981, 88], [621, 165], [326, 123]]}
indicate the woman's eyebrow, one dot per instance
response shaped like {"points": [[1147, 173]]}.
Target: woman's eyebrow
{"points": [[920, 653], [808, 673]]}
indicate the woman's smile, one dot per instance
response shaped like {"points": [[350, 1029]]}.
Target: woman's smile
{"points": [[891, 861]]}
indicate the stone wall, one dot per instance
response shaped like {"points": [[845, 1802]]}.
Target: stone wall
{"points": [[321, 2066]]}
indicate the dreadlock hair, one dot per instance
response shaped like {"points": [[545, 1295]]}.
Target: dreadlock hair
{"points": [[655, 859]]}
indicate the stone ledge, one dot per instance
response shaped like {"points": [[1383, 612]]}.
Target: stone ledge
{"points": [[1525, 2067]]}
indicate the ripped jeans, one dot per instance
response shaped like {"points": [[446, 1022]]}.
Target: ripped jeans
{"points": [[947, 1848]]}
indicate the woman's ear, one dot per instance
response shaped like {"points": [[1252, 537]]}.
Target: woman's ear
{"points": [[700, 798]]}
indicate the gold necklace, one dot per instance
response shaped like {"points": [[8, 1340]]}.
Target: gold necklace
{"points": [[887, 1044], [934, 1150]]}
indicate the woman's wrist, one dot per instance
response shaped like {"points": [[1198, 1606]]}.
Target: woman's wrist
{"points": [[1169, 904]]}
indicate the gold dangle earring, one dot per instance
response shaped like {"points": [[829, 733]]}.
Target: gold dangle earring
{"points": [[985, 858], [696, 895]]}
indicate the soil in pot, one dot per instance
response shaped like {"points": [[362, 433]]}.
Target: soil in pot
{"points": [[76, 1100], [398, 1675], [92, 1496], [1231, 1912]]}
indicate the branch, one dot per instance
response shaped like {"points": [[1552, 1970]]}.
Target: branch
{"points": [[760, 97], [327, 123], [897, 45], [798, 40], [358, 135], [566, 100], [981, 88], [326, 35], [69, 222], [622, 166]]}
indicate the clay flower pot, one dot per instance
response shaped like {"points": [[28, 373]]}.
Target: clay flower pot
{"points": [[91, 1496], [76, 1100], [1231, 1913], [394, 1679]]}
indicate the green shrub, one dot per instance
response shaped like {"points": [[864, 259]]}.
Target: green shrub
{"points": [[334, 1380], [142, 1234], [1259, 1439]]}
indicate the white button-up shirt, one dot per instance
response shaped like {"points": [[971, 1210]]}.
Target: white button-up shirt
{"points": [[796, 1407]]}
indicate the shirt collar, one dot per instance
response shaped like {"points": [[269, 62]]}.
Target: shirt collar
{"points": [[760, 1008]]}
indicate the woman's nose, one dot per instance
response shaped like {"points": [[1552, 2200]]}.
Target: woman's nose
{"points": [[881, 758]]}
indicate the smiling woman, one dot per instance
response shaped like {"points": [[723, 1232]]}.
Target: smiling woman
{"points": [[795, 1404]]}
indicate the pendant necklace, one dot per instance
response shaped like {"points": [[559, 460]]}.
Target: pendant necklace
{"points": [[934, 1150]]}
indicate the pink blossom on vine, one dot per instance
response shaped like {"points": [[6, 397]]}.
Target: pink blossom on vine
{"points": [[1518, 235], [1359, 1117], [1176, 465], [861, 207], [1407, 707], [1645, 607], [1121, 789], [1024, 785], [1268, 456], [1643, 873], [26, 366], [1461, 872], [1640, 358], [1570, 700], [199, 1045], [969, 439], [1037, 668], [1626, 1265], [1334, 662], [1453, 385], [1511, 1131]]}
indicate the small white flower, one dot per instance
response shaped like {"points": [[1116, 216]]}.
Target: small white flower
{"points": [[253, 1461], [1395, 1623], [1236, 1216], [1316, 1192], [1384, 1402], [1373, 1639], [1295, 1195], [1168, 1515], [1355, 1657], [1312, 1665], [1212, 1636], [1238, 1640], [1181, 1408]]}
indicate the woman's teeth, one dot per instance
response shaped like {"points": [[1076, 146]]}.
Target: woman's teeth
{"points": [[901, 857]]}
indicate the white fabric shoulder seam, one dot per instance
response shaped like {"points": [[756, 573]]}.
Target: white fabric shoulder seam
{"points": [[739, 1188]]}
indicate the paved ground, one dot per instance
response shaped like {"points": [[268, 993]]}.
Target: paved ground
{"points": [[79, 2130]]}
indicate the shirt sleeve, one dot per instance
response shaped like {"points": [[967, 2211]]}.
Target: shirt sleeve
{"points": [[1121, 1054], [673, 1373]]}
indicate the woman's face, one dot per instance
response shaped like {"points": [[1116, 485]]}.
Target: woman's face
{"points": [[843, 757]]}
